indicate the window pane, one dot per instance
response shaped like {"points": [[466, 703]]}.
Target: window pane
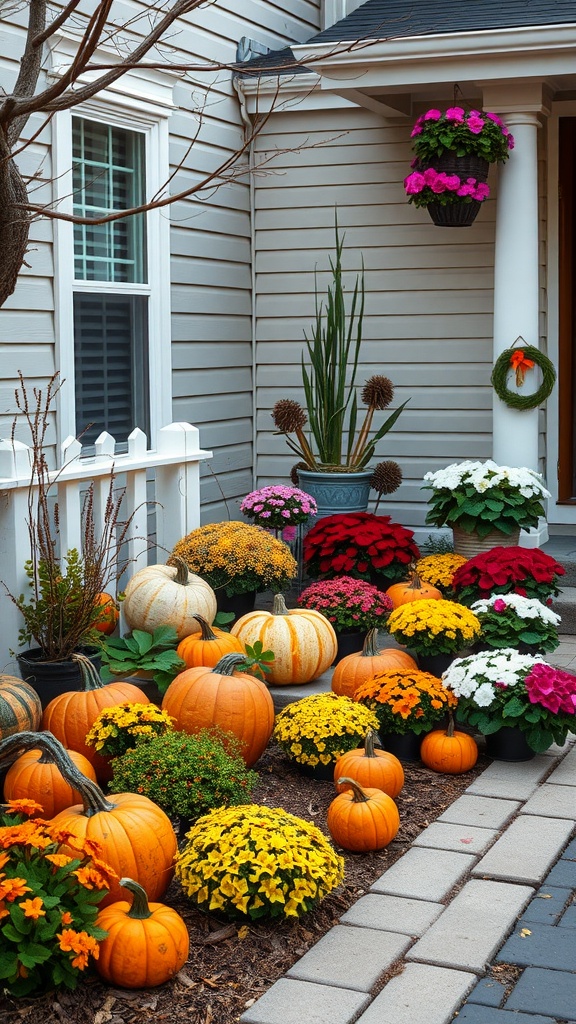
{"points": [[108, 175], [111, 365]]}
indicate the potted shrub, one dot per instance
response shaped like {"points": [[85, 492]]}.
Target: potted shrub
{"points": [[453, 151], [485, 504], [334, 456]]}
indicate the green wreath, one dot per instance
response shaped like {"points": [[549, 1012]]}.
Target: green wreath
{"points": [[502, 368]]}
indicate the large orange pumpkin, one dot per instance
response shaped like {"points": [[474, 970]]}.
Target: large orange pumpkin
{"points": [[207, 646], [445, 750], [362, 819], [20, 706], [303, 641], [413, 589], [234, 701], [356, 668], [35, 776], [71, 715], [376, 769], [147, 943]]}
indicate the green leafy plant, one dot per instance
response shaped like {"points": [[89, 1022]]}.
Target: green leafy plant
{"points": [[48, 902], [142, 652], [257, 660], [186, 775], [330, 385], [515, 621]]}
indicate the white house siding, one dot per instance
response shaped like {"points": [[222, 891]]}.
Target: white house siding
{"points": [[211, 243], [428, 323]]}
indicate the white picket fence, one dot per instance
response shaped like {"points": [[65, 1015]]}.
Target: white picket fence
{"points": [[164, 479]]}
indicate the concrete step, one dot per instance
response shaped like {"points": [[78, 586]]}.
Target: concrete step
{"points": [[565, 606]]}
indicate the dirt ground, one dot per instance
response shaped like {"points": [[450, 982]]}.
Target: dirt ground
{"points": [[225, 974]]}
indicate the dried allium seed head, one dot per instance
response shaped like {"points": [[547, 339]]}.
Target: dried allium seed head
{"points": [[387, 477], [378, 392], [288, 416], [294, 472]]}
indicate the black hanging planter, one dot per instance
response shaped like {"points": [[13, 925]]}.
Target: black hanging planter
{"points": [[463, 213], [454, 215]]}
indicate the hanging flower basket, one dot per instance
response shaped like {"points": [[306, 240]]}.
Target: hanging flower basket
{"points": [[456, 215]]}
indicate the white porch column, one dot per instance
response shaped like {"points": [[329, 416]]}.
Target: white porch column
{"points": [[516, 291]]}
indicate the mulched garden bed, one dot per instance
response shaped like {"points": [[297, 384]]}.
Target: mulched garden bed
{"points": [[225, 973]]}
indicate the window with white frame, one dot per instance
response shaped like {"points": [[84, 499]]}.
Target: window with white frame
{"points": [[113, 278]]}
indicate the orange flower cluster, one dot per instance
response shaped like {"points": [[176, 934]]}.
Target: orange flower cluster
{"points": [[80, 943], [405, 700]]}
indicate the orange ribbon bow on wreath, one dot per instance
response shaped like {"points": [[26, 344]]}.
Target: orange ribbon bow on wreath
{"points": [[520, 364]]}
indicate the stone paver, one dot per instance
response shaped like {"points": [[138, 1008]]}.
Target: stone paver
{"points": [[552, 802], [425, 874], [421, 994], [473, 1013], [547, 906], [441, 835], [512, 781], [471, 928], [545, 946], [292, 1002], [488, 992], [392, 914], [541, 991], [565, 773], [563, 873], [526, 850], [353, 958], [483, 811]]}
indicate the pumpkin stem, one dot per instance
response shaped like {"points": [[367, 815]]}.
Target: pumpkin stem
{"points": [[279, 605], [205, 628], [450, 726], [358, 794], [369, 739], [90, 678], [227, 664], [181, 570], [415, 579], [140, 909], [92, 796], [369, 648]]}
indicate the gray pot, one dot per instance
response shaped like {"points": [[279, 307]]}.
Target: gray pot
{"points": [[337, 492]]}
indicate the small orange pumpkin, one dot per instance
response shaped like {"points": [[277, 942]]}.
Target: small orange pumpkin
{"points": [[235, 701], [108, 614], [207, 646], [377, 769], [449, 751], [413, 589], [35, 775], [147, 943], [356, 668], [362, 819]]}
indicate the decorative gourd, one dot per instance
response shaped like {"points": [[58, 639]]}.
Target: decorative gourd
{"points": [[35, 776], [362, 819], [303, 641], [445, 750], [108, 615], [413, 589], [370, 767], [360, 666], [147, 943], [201, 697], [168, 595], [20, 706], [207, 646], [69, 716]]}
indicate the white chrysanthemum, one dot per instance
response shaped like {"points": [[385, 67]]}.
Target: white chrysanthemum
{"points": [[484, 695], [487, 475], [525, 607], [465, 675]]}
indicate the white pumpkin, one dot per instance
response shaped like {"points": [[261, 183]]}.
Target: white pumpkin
{"points": [[166, 595], [303, 641]]}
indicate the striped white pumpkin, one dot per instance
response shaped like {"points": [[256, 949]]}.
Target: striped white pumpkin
{"points": [[162, 595], [20, 707], [303, 641]]}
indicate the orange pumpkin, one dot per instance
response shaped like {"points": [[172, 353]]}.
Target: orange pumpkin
{"points": [[234, 701], [445, 750], [207, 646], [303, 641], [69, 716], [35, 776], [376, 769], [356, 668], [413, 589], [362, 819], [108, 614], [147, 943]]}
